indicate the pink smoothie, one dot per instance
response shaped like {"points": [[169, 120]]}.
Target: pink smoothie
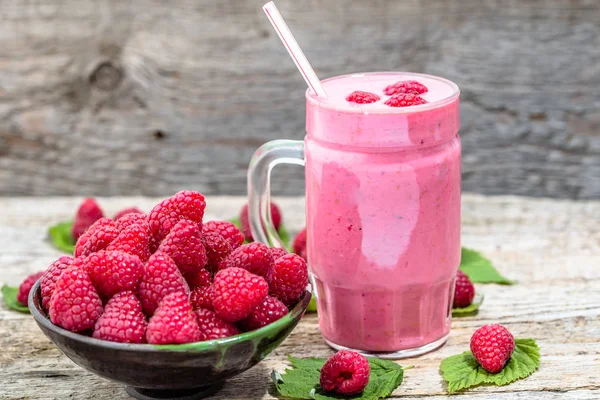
{"points": [[383, 212]]}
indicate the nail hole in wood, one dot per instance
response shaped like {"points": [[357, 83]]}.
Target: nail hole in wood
{"points": [[106, 76], [159, 135]]}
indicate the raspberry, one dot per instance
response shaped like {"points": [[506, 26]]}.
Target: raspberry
{"points": [[277, 252], [229, 231], [75, 305], [361, 97], [161, 277], [123, 320], [464, 291], [130, 219], [288, 279], [303, 254], [26, 285], [275, 215], [213, 327], [217, 248], [97, 237], [413, 87], [183, 205], [128, 210], [50, 277], [184, 246], [405, 100], [133, 240], [202, 297], [254, 257], [237, 292], [173, 321], [89, 212], [492, 346], [345, 372], [268, 311], [300, 242], [198, 278], [113, 272]]}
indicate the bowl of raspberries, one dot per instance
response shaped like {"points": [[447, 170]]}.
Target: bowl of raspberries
{"points": [[168, 304]]}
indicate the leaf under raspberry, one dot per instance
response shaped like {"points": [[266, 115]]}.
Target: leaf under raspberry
{"points": [[302, 380], [282, 231], [470, 309], [61, 237], [479, 269], [462, 371], [9, 294]]}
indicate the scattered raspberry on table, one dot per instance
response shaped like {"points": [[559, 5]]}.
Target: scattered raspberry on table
{"points": [[464, 291], [492, 346], [346, 373]]}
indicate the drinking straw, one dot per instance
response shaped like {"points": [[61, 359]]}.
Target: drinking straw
{"points": [[294, 49]]}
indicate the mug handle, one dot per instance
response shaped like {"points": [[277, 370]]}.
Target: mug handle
{"points": [[264, 159]]}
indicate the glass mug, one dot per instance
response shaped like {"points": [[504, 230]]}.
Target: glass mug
{"points": [[382, 212]]}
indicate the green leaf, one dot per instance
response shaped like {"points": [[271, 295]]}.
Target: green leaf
{"points": [[470, 309], [312, 306], [462, 371], [302, 380], [61, 238], [479, 269], [9, 294]]}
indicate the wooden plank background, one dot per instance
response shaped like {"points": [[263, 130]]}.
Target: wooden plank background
{"points": [[148, 97]]}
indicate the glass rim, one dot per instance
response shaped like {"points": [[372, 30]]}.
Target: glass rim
{"points": [[323, 103]]}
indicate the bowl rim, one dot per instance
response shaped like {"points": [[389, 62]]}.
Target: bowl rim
{"points": [[40, 316]]}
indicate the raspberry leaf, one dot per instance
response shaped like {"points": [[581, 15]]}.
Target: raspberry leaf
{"points": [[312, 306], [470, 309], [9, 294], [302, 380], [462, 371], [479, 269], [61, 237]]}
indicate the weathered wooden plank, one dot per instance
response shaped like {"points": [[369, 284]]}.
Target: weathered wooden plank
{"points": [[552, 248], [145, 97]]}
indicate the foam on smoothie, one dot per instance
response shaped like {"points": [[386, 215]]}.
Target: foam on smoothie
{"points": [[338, 88]]}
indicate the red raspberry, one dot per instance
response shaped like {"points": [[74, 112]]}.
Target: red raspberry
{"points": [[173, 321], [217, 248], [202, 297], [345, 372], [361, 97], [237, 292], [405, 100], [254, 257], [161, 277], [183, 205], [26, 286], [128, 210], [464, 291], [75, 305], [413, 87], [97, 237], [50, 277], [277, 252], [184, 245], [133, 240], [303, 254], [229, 231], [288, 279], [123, 320], [492, 346], [113, 272], [300, 242], [89, 212], [275, 214], [270, 310], [130, 219], [199, 278], [213, 327]]}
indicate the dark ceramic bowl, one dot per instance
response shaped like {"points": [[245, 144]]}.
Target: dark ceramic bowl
{"points": [[185, 371]]}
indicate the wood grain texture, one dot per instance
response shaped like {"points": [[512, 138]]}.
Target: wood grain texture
{"points": [[551, 247], [148, 97]]}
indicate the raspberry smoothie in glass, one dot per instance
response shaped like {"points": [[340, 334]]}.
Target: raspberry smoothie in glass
{"points": [[382, 208]]}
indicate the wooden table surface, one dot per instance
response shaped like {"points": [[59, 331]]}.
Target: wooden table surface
{"points": [[551, 247]]}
